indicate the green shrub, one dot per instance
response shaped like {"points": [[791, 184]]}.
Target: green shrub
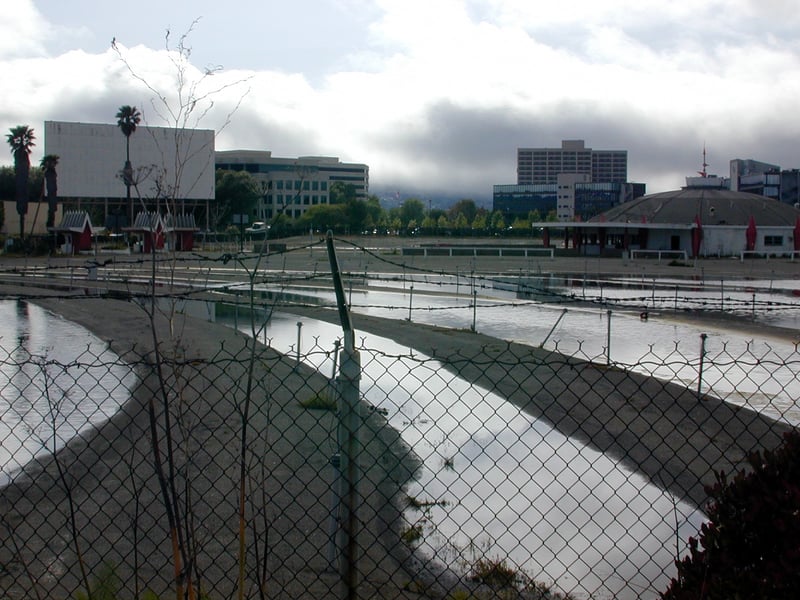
{"points": [[105, 584], [750, 548], [494, 573]]}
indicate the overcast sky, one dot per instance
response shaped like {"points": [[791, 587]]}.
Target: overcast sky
{"points": [[434, 95]]}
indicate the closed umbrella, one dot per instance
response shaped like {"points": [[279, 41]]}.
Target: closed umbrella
{"points": [[797, 235], [750, 234]]}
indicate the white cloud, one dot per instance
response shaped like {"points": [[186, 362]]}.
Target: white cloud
{"points": [[441, 93], [22, 31]]}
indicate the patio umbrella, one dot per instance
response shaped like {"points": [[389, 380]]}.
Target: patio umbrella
{"points": [[643, 234], [750, 234], [697, 237], [797, 235]]}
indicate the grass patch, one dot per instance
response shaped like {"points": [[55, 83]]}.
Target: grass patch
{"points": [[412, 534], [494, 573], [318, 402]]}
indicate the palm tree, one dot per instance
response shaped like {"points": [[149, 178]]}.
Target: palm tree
{"points": [[128, 117], [21, 141], [48, 164]]}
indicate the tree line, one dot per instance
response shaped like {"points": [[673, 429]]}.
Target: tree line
{"points": [[238, 192]]}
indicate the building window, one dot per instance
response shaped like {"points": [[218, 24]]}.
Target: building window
{"points": [[773, 240]]}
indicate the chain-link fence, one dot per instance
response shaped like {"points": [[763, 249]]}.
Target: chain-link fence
{"points": [[476, 468]]}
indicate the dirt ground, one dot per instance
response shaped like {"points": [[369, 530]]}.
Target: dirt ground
{"points": [[661, 431]]}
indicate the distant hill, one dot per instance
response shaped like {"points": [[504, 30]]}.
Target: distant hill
{"points": [[392, 197]]}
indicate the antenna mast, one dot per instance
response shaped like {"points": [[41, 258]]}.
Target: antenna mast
{"points": [[704, 173]]}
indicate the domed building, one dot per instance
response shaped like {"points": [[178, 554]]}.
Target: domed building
{"points": [[701, 219]]}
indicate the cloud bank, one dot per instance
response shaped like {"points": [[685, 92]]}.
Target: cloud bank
{"points": [[437, 96]]}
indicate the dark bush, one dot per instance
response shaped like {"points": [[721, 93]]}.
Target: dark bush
{"points": [[34, 245], [750, 548]]}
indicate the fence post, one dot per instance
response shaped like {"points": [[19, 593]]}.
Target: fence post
{"points": [[333, 515], [336, 344], [348, 430], [703, 337], [654, 293], [266, 322], [608, 339], [547, 337], [350, 294], [299, 329], [474, 308]]}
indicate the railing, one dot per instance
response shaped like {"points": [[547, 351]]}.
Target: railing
{"points": [[768, 253], [659, 253], [451, 251]]}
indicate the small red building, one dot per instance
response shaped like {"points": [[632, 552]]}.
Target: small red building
{"points": [[180, 231], [154, 231], [76, 230], [149, 229]]}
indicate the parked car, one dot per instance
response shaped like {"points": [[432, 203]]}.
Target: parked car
{"points": [[257, 228]]}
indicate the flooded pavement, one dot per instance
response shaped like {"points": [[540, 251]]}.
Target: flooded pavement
{"points": [[58, 380], [566, 501], [552, 511]]}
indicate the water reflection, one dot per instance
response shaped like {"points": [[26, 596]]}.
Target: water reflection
{"points": [[56, 380], [498, 483], [760, 374]]}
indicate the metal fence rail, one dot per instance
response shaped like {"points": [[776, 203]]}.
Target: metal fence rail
{"points": [[471, 470]]}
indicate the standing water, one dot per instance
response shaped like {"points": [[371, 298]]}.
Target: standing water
{"points": [[497, 482], [56, 380]]}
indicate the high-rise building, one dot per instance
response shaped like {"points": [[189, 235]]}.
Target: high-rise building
{"points": [[536, 166], [573, 180]]}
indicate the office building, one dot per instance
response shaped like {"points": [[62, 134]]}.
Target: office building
{"points": [[574, 181], [541, 166], [583, 199], [765, 179], [566, 183], [291, 186]]}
